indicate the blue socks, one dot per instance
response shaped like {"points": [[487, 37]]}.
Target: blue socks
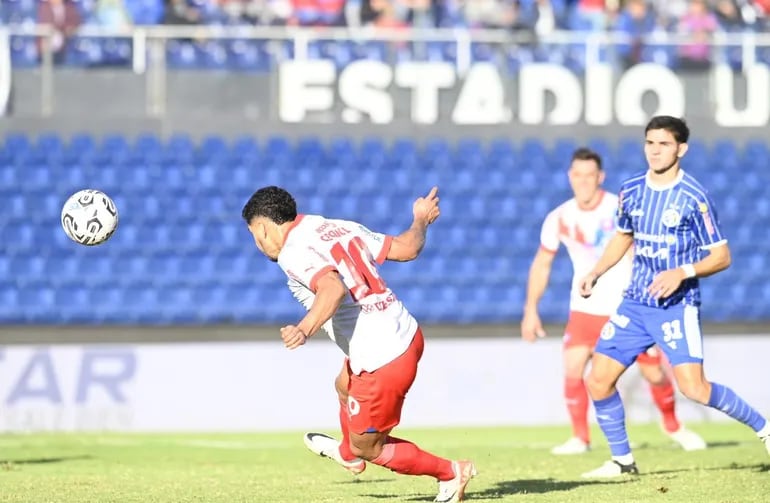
{"points": [[611, 417], [724, 399]]}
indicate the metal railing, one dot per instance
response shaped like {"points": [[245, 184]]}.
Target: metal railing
{"points": [[149, 46]]}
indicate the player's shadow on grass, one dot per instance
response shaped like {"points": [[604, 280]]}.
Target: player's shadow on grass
{"points": [[717, 445], [535, 486], [40, 461], [354, 481], [514, 487], [758, 467], [711, 445]]}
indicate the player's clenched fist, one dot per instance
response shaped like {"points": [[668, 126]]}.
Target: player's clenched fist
{"points": [[426, 208], [531, 327], [293, 337], [587, 285]]}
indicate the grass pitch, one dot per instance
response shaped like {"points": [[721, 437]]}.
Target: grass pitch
{"points": [[514, 465]]}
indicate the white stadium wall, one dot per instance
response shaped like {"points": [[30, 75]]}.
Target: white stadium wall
{"points": [[262, 386]]}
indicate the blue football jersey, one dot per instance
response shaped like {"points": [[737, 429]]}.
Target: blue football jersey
{"points": [[672, 226]]}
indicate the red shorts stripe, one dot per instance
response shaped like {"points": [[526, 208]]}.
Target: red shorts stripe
{"points": [[583, 329]]}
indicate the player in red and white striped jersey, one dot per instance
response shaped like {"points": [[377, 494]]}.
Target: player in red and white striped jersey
{"points": [[331, 267]]}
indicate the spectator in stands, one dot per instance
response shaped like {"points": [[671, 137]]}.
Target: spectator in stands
{"points": [[65, 19], [180, 12], [592, 14], [698, 25], [237, 13], [482, 13], [542, 17], [317, 13], [669, 11], [728, 16], [144, 12], [637, 21], [112, 14], [492, 13], [516, 19], [423, 13], [383, 15], [262, 12], [762, 10]]}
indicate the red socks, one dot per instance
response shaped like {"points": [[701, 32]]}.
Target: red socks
{"points": [[402, 456], [577, 404], [345, 451], [398, 455], [663, 395]]}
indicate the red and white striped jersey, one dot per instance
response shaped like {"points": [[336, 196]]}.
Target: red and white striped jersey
{"points": [[585, 233], [371, 326]]}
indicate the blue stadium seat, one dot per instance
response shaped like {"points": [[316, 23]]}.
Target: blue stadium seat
{"points": [[182, 254], [24, 52]]}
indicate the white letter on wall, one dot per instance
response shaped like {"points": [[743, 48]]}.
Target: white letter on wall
{"points": [[599, 95], [482, 97], [757, 110], [304, 86], [648, 77], [537, 78], [362, 87], [425, 80]]}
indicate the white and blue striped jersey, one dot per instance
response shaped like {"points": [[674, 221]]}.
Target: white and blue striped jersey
{"points": [[672, 226]]}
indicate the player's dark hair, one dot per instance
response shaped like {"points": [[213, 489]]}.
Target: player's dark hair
{"points": [[586, 154], [271, 202], [674, 125]]}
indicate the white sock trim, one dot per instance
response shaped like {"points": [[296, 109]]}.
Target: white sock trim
{"points": [[765, 431], [625, 459]]}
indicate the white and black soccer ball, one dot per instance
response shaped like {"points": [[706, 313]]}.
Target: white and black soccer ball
{"points": [[89, 217]]}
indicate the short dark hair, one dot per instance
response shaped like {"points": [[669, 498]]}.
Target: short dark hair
{"points": [[674, 125], [586, 154], [271, 202]]}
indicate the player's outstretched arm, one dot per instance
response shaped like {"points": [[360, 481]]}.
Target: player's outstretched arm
{"points": [[539, 273], [616, 249], [329, 294], [408, 245]]}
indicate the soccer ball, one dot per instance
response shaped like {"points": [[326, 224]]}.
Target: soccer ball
{"points": [[89, 217]]}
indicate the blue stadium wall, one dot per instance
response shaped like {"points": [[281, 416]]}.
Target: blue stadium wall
{"points": [[182, 255]]}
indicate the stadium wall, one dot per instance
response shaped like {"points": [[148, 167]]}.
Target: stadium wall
{"points": [[232, 386], [721, 104]]}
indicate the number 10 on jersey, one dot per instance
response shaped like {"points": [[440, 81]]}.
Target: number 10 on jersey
{"points": [[360, 269]]}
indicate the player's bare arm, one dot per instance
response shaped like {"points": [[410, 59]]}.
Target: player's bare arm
{"points": [[668, 282], [539, 273], [330, 292], [616, 249], [408, 245]]}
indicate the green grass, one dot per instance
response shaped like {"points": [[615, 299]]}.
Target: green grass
{"points": [[514, 465]]}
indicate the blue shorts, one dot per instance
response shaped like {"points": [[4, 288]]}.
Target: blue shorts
{"points": [[635, 327]]}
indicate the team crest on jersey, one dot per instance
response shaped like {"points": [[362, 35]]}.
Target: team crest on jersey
{"points": [[671, 217], [608, 331]]}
